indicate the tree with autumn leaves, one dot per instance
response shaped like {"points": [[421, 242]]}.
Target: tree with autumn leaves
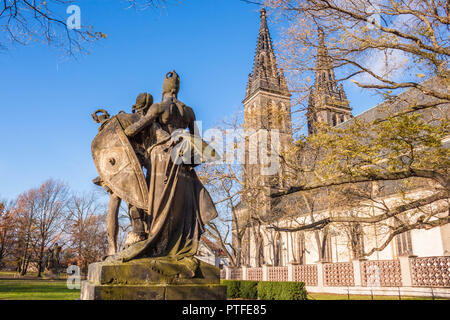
{"points": [[86, 232], [7, 231], [41, 217]]}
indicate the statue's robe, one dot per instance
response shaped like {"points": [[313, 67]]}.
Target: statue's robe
{"points": [[179, 206]]}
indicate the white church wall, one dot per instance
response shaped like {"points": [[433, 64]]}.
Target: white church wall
{"points": [[291, 247], [312, 253], [374, 237], [268, 252], [424, 242], [387, 253], [445, 236], [340, 250], [427, 243]]}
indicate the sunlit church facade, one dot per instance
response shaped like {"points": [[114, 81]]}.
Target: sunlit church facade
{"points": [[267, 105]]}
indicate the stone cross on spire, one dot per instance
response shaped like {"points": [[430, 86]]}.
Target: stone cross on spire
{"points": [[266, 74]]}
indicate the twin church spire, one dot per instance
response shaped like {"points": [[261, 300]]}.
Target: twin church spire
{"points": [[328, 102], [266, 75]]}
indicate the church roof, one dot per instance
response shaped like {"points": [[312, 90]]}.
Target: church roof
{"points": [[218, 250], [403, 101]]}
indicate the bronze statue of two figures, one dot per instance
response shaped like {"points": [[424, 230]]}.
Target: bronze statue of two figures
{"points": [[146, 158]]}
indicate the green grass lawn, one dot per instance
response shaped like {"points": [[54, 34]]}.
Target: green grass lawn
{"points": [[29, 275], [42, 289], [18, 289]]}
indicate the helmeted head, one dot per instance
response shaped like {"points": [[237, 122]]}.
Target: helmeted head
{"points": [[143, 102], [171, 85]]}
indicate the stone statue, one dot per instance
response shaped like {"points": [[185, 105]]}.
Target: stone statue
{"points": [[147, 158], [52, 263], [143, 102]]}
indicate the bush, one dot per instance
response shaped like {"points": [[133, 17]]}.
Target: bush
{"points": [[265, 290], [268, 290], [249, 290], [233, 288]]}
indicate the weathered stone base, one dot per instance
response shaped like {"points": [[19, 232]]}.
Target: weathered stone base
{"points": [[142, 279], [90, 291]]}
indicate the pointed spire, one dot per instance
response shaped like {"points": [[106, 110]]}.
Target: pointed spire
{"points": [[321, 38], [325, 78], [249, 84], [326, 97], [266, 74], [342, 92]]}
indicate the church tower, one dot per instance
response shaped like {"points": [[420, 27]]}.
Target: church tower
{"points": [[267, 125], [327, 101], [266, 108]]}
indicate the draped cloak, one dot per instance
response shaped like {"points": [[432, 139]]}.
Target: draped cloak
{"points": [[179, 205]]}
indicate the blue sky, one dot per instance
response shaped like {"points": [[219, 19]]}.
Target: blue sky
{"points": [[46, 99]]}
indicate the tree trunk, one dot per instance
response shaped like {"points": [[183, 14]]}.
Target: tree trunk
{"points": [[24, 266], [41, 255], [2, 245]]}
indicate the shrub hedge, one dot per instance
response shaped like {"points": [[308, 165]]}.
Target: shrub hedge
{"points": [[249, 290], [265, 290], [233, 288], [271, 290]]}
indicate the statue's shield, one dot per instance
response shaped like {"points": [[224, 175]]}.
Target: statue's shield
{"points": [[118, 165]]}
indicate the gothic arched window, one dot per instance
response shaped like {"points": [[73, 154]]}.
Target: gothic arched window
{"points": [[357, 240], [278, 251], [326, 247], [404, 244], [334, 119], [259, 251], [301, 248]]}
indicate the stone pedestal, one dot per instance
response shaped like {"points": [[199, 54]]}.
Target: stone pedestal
{"points": [[137, 280], [52, 275]]}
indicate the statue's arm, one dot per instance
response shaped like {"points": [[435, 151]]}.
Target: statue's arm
{"points": [[152, 114], [192, 130], [191, 123]]}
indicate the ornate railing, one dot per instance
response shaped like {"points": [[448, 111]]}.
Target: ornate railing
{"points": [[236, 274], [255, 274], [430, 271], [381, 273], [305, 273], [338, 274], [427, 272], [277, 273]]}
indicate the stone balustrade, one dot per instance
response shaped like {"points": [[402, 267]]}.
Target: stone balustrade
{"points": [[305, 273], [430, 272], [255, 274], [338, 274], [381, 273], [425, 274]]}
